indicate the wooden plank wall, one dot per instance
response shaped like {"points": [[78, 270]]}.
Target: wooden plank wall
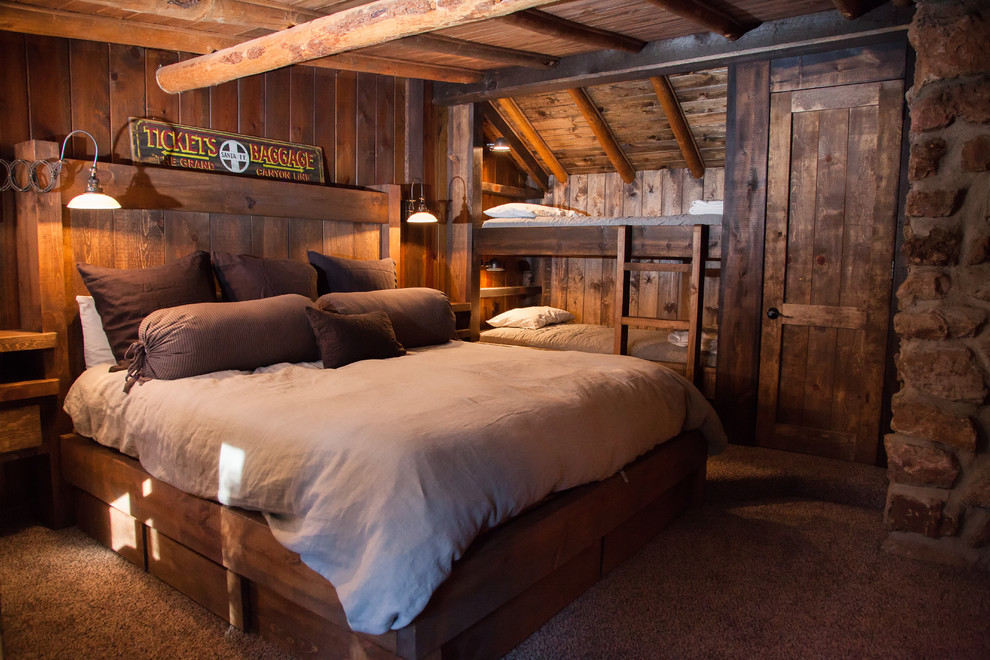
{"points": [[51, 86], [585, 287]]}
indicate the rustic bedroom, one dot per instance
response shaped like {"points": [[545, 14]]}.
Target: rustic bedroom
{"points": [[483, 329]]}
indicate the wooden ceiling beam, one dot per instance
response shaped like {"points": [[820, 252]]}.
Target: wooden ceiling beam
{"points": [[71, 25], [812, 33], [678, 124], [550, 25], [267, 16], [478, 51], [520, 153], [603, 133], [368, 25], [853, 9], [511, 111], [707, 17]]}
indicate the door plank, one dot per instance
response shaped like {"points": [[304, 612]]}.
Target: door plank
{"points": [[828, 316]]}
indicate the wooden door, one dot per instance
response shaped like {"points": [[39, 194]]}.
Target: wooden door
{"points": [[831, 218]]}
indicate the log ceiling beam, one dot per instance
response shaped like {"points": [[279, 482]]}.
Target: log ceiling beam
{"points": [[478, 51], [521, 153], [603, 133], [811, 33], [515, 192], [71, 25], [358, 27], [853, 9], [678, 124], [511, 111], [705, 16], [550, 25]]}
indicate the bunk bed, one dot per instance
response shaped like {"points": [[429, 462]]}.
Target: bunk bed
{"points": [[688, 244], [509, 580]]}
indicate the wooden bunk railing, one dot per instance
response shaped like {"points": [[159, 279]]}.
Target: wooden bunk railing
{"points": [[694, 266]]}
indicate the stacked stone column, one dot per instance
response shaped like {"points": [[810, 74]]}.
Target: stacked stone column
{"points": [[938, 503]]}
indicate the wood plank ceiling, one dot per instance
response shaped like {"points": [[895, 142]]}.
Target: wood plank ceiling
{"points": [[645, 123]]}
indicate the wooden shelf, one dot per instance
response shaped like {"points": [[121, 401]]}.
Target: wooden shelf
{"points": [[501, 291], [28, 389], [460, 307], [23, 340]]}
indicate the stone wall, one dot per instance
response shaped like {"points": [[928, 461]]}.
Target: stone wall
{"points": [[938, 503]]}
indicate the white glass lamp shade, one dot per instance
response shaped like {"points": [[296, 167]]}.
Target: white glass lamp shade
{"points": [[422, 217]]}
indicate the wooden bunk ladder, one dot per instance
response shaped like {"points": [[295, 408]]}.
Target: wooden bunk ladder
{"points": [[694, 265]]}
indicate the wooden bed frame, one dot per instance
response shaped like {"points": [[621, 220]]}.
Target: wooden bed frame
{"points": [[684, 248], [511, 580]]}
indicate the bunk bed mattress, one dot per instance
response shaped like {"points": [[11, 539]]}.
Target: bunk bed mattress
{"points": [[597, 221], [379, 474], [650, 345]]}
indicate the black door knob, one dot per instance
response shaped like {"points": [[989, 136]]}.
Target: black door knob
{"points": [[773, 314]]}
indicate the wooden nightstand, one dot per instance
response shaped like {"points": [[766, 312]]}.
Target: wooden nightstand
{"points": [[22, 394]]}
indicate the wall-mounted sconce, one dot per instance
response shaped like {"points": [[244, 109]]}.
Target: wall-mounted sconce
{"points": [[92, 198], [493, 265], [500, 146], [416, 207]]}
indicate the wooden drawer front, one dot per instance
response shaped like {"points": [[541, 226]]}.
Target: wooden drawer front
{"points": [[20, 427]]}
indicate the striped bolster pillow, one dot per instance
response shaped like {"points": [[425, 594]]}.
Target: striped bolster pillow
{"points": [[205, 337]]}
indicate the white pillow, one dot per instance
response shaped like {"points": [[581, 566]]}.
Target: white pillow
{"points": [[530, 317], [96, 346], [524, 210]]}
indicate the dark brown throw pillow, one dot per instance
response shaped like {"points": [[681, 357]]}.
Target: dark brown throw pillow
{"points": [[344, 339], [124, 296], [335, 274], [246, 277], [419, 316]]}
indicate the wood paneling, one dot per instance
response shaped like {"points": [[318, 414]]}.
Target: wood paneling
{"points": [[50, 86]]}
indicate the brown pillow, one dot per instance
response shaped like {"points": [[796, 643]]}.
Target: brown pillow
{"points": [[419, 316], [123, 297], [246, 277], [344, 339], [335, 274], [202, 338]]}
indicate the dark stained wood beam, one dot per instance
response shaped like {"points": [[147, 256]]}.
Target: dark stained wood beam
{"points": [[511, 111], [72, 25], [520, 153], [547, 24], [678, 124], [368, 25], [478, 51], [707, 17], [853, 9], [603, 133], [811, 33]]}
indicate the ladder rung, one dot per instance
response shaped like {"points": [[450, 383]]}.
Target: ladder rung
{"points": [[658, 268], [650, 322]]}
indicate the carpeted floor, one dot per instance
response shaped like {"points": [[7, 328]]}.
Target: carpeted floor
{"points": [[783, 561]]}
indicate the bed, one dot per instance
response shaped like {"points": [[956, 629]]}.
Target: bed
{"points": [[688, 244], [517, 564]]}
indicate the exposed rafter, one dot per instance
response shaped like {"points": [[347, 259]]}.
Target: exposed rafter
{"points": [[541, 22], [678, 124], [513, 113], [367, 25], [604, 134], [57, 23], [520, 153], [478, 51], [707, 17], [268, 16]]}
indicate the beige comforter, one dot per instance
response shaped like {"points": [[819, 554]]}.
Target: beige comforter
{"points": [[379, 474]]}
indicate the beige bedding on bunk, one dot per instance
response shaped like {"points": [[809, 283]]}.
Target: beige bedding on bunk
{"points": [[588, 338], [379, 474]]}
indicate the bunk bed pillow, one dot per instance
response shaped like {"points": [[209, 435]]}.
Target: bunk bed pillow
{"points": [[419, 316], [337, 274], [96, 346], [346, 338], [123, 297], [525, 210], [201, 338], [531, 317], [246, 277]]}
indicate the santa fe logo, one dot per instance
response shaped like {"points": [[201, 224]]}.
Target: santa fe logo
{"points": [[234, 156]]}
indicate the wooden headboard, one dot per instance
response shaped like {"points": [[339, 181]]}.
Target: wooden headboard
{"points": [[167, 214]]}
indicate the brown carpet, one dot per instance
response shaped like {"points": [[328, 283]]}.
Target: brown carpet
{"points": [[783, 561]]}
